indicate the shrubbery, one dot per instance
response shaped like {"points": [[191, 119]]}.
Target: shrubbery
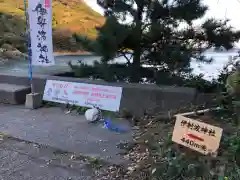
{"points": [[122, 72]]}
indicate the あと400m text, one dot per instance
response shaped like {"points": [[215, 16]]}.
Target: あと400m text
{"points": [[193, 144]]}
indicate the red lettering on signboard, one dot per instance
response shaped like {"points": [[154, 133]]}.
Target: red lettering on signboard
{"points": [[103, 90], [80, 92], [110, 96], [82, 87], [105, 96], [95, 94], [99, 90]]}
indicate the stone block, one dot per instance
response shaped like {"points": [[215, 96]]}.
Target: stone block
{"points": [[13, 94], [33, 100]]}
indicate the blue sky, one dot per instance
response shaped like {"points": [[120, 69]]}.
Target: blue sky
{"points": [[217, 8]]}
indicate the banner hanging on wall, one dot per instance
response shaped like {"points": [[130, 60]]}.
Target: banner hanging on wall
{"points": [[40, 20], [86, 95]]}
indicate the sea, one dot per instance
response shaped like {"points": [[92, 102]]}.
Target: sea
{"points": [[210, 71]]}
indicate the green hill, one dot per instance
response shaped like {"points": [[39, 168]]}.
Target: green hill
{"points": [[71, 16]]}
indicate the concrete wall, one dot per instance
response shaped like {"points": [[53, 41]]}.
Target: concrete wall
{"points": [[136, 98]]}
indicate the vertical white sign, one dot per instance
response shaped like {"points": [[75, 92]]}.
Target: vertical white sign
{"points": [[40, 19]]}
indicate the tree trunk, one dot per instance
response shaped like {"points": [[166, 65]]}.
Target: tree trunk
{"points": [[137, 51], [135, 71]]}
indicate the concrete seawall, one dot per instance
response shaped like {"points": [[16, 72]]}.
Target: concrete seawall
{"points": [[136, 98]]}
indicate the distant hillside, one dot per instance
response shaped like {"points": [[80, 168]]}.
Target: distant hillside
{"points": [[76, 16], [71, 16]]}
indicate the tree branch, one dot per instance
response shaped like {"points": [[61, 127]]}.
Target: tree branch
{"points": [[145, 26], [124, 55]]}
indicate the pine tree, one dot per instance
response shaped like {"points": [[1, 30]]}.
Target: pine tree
{"points": [[160, 33]]}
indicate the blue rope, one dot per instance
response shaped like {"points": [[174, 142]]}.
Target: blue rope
{"points": [[113, 127]]}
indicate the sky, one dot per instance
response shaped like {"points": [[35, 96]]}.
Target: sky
{"points": [[220, 9]]}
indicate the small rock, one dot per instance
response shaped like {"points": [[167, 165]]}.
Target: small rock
{"points": [[154, 170], [8, 47], [130, 168], [135, 128], [13, 54], [68, 112], [73, 157], [35, 145]]}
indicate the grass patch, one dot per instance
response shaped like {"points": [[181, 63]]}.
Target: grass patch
{"points": [[79, 109], [154, 156]]}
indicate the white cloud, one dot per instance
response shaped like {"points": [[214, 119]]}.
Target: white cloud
{"points": [[224, 9], [93, 4]]}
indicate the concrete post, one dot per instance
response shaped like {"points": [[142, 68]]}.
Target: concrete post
{"points": [[33, 101]]}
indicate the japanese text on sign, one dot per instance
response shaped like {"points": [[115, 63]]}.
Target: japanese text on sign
{"points": [[198, 128], [196, 135], [87, 95], [40, 16]]}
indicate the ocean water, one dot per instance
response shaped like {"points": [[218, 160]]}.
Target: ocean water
{"points": [[210, 71]]}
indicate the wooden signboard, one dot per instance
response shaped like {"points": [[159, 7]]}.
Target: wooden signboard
{"points": [[196, 135]]}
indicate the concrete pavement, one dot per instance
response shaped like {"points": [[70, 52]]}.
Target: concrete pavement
{"points": [[21, 160], [69, 132]]}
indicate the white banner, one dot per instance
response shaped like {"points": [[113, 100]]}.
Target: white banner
{"points": [[86, 95], [40, 20]]}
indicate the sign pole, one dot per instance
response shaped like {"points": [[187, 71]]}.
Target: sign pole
{"points": [[29, 47]]}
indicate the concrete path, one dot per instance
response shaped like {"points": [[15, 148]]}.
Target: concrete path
{"points": [[52, 127], [25, 161]]}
